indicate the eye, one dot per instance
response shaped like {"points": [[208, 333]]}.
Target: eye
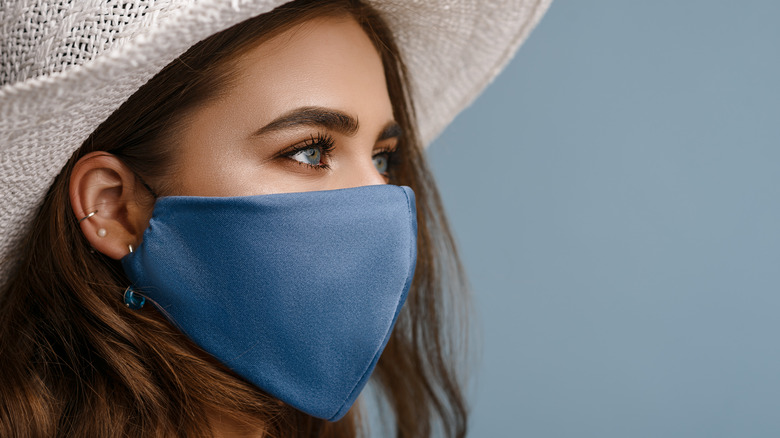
{"points": [[311, 156], [311, 152], [382, 162]]}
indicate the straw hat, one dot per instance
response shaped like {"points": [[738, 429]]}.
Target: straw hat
{"points": [[66, 66]]}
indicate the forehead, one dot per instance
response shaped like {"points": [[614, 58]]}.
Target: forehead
{"points": [[326, 61]]}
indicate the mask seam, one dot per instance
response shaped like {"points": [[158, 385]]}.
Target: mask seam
{"points": [[398, 310]]}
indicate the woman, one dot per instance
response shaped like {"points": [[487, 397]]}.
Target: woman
{"points": [[229, 250]]}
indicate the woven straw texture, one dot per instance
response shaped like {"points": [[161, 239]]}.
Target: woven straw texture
{"points": [[66, 65]]}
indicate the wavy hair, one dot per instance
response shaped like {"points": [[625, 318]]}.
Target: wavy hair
{"points": [[77, 362]]}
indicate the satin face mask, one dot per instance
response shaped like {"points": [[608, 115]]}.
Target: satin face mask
{"points": [[296, 292]]}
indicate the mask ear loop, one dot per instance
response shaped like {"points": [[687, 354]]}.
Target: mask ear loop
{"points": [[133, 299], [147, 186]]}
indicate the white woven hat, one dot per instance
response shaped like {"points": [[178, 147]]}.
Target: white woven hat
{"points": [[65, 66]]}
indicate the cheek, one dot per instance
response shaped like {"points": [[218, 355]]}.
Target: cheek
{"points": [[239, 168], [212, 176], [208, 161]]}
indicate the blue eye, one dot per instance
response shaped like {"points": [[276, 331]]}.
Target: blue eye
{"points": [[382, 162], [312, 151], [311, 156]]}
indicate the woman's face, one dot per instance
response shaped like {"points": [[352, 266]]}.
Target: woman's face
{"points": [[309, 110]]}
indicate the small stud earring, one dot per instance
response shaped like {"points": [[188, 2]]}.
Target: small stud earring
{"points": [[102, 232], [130, 247]]}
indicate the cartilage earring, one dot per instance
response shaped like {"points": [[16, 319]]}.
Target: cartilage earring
{"points": [[133, 300], [87, 216], [102, 232]]}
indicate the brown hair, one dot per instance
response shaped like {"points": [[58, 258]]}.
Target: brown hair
{"points": [[77, 362]]}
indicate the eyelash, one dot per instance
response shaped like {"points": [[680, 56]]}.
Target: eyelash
{"points": [[386, 150], [326, 145], [322, 141]]}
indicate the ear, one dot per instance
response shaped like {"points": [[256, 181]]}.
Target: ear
{"points": [[103, 184]]}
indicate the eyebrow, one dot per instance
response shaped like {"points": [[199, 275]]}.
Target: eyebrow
{"points": [[327, 118], [391, 130]]}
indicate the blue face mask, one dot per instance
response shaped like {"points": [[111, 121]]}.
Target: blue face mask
{"points": [[296, 292]]}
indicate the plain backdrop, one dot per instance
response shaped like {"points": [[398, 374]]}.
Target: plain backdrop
{"points": [[615, 197]]}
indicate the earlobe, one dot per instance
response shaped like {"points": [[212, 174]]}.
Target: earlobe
{"points": [[112, 212]]}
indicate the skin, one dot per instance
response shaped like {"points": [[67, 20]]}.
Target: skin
{"points": [[234, 147], [327, 65]]}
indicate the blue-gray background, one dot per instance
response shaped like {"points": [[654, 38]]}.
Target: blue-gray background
{"points": [[615, 196]]}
